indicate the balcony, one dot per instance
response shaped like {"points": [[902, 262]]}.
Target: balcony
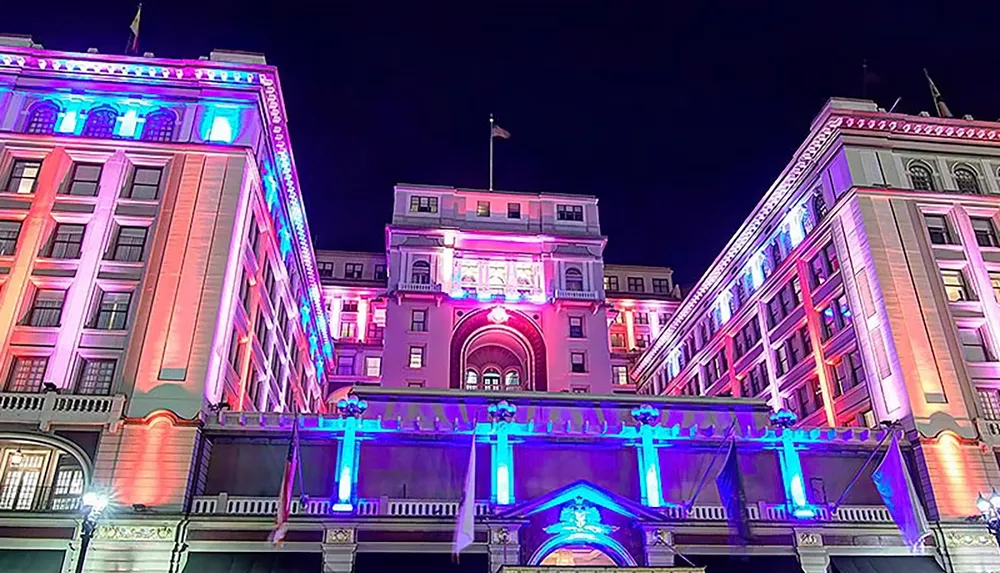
{"points": [[577, 294], [418, 287], [52, 408]]}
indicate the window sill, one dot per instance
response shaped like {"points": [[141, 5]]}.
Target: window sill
{"points": [[144, 202]]}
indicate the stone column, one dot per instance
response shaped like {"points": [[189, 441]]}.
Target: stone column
{"points": [[504, 548], [813, 557], [969, 548], [659, 546], [339, 547]]}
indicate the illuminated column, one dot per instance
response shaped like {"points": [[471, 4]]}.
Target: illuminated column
{"points": [[816, 342], [630, 328], [351, 410], [791, 467], [649, 459], [334, 316], [362, 318], [502, 455]]}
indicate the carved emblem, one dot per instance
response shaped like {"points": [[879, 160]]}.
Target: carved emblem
{"points": [[808, 539], [339, 536], [135, 533]]}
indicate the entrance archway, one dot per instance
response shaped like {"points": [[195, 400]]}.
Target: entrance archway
{"points": [[498, 349], [581, 556]]}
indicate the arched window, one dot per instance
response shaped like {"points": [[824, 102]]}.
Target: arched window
{"points": [[512, 380], [100, 123], [920, 177], [966, 180], [471, 379], [819, 206], [574, 279], [42, 118], [159, 126], [421, 273], [491, 379]]}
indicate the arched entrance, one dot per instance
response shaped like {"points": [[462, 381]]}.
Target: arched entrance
{"points": [[498, 350], [581, 556]]}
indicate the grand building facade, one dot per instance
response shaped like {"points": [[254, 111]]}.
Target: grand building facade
{"points": [[169, 334]]}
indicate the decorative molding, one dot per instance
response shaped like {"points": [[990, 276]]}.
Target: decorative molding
{"points": [[969, 540], [659, 537], [808, 539], [339, 536], [502, 536], [939, 422], [135, 533]]}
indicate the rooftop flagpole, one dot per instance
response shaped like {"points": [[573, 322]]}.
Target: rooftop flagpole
{"points": [[491, 151]]}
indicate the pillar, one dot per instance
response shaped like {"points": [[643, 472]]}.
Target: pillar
{"points": [[339, 548], [813, 557], [968, 548], [504, 548], [659, 546]]}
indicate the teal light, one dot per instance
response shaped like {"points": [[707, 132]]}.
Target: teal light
{"points": [[347, 467], [649, 468], [791, 474]]}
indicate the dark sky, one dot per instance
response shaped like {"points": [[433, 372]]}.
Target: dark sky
{"points": [[677, 115]]}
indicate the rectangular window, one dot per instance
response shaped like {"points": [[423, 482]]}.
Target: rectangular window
{"points": [[145, 183], [611, 284], [569, 212], [995, 284], [416, 357], [349, 306], [641, 340], [23, 176], [578, 362], [373, 366], [989, 400], [973, 345], [380, 273], [418, 321], [9, 232], [46, 310], [353, 270], [420, 204], [129, 244], [617, 340], [325, 269], [576, 327], [986, 233], [513, 210], [345, 366], [348, 330], [954, 285], [21, 483], [84, 180], [661, 286], [26, 374], [781, 355], [66, 241], [636, 284], [937, 228], [112, 311], [234, 350], [96, 376], [620, 375], [482, 209], [824, 265]]}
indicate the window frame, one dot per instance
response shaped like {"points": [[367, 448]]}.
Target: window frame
{"points": [[74, 180], [25, 163]]}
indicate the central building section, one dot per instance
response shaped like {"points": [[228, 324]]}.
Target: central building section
{"points": [[495, 291]]}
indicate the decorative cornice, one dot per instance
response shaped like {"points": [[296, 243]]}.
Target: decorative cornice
{"points": [[135, 533], [969, 540]]}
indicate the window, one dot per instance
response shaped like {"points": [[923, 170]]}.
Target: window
{"points": [[42, 119], [818, 205], [834, 317], [380, 273], [920, 177], [620, 375], [325, 269], [781, 354], [617, 340], [574, 279], [661, 286], [345, 366], [21, 482], [348, 330], [569, 212], [636, 284], [989, 400], [954, 285], [9, 231], [46, 308], [66, 242], [611, 284], [421, 273], [482, 209], [786, 301], [471, 379], [112, 311], [848, 373], [159, 126], [145, 183], [642, 340], [577, 362], [67, 488], [986, 234], [746, 338], [26, 374], [23, 176], [423, 204], [973, 345], [100, 123], [995, 283], [353, 270], [937, 228], [418, 321], [416, 357], [373, 366], [129, 244], [576, 327], [84, 181], [349, 306], [966, 180], [641, 317], [824, 265], [96, 375], [512, 379], [513, 210], [491, 379]]}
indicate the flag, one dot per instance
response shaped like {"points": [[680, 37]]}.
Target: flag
{"points": [[893, 483], [942, 108], [497, 131], [133, 42], [465, 523], [287, 483], [730, 485]]}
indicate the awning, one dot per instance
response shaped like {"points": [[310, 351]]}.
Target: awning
{"points": [[743, 563], [365, 562], [915, 564], [34, 560], [272, 562]]}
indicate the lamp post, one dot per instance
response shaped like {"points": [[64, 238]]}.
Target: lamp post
{"points": [[94, 505], [990, 508]]}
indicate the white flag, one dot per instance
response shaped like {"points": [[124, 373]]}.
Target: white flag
{"points": [[465, 527]]}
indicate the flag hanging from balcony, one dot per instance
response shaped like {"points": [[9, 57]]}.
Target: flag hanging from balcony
{"points": [[730, 484], [133, 39], [894, 485], [287, 483], [465, 523]]}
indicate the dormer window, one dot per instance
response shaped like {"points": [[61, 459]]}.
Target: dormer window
{"points": [[419, 204]]}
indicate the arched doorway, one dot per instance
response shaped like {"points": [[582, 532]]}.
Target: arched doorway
{"points": [[578, 556], [498, 350]]}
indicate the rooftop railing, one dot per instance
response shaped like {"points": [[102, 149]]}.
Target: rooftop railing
{"points": [[54, 408]]}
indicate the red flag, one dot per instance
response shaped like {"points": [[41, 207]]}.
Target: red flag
{"points": [[287, 483], [133, 41], [497, 131]]}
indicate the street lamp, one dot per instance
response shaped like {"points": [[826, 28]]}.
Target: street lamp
{"points": [[94, 505], [990, 508]]}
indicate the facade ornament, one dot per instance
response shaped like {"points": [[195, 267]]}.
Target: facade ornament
{"points": [[339, 536], [351, 407], [135, 533], [501, 536], [969, 540], [808, 539], [646, 415], [502, 411], [783, 419], [659, 537]]}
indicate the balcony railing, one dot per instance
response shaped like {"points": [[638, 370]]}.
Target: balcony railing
{"points": [[52, 408], [418, 287], [577, 294]]}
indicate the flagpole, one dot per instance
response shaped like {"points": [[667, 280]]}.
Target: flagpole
{"points": [[891, 430], [491, 152]]}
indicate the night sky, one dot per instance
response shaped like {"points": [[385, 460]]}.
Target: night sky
{"points": [[677, 115]]}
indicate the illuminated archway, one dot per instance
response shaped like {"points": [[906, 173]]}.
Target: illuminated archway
{"points": [[501, 339], [583, 545], [581, 556]]}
